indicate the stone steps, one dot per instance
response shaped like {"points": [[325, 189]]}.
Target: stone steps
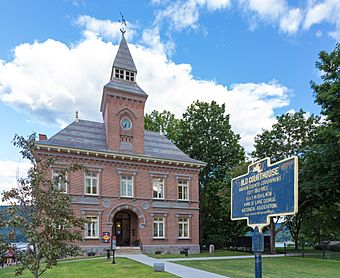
{"points": [[120, 250]]}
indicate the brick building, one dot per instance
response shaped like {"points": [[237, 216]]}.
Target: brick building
{"points": [[139, 186]]}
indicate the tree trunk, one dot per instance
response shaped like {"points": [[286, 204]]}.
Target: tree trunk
{"points": [[272, 236], [296, 242]]}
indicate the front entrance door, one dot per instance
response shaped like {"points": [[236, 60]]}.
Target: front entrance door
{"points": [[122, 228]]}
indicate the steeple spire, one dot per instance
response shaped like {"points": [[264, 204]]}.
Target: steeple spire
{"points": [[123, 58], [123, 65]]}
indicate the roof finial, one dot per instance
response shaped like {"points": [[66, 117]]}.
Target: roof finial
{"points": [[77, 116], [123, 24]]}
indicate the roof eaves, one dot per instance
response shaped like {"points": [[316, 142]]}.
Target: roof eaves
{"points": [[124, 156]]}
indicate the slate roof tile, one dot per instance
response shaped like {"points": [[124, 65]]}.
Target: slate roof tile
{"points": [[90, 135]]}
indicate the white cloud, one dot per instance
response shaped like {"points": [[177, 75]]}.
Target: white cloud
{"points": [[292, 21], [266, 9], [275, 12], [10, 171], [152, 39], [327, 11], [316, 14], [103, 28], [318, 34], [217, 4], [185, 14], [180, 14], [51, 80]]}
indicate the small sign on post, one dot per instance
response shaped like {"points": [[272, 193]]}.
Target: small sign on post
{"points": [[266, 190], [113, 248], [113, 243], [106, 237]]}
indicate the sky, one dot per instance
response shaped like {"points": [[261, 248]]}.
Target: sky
{"points": [[256, 56]]}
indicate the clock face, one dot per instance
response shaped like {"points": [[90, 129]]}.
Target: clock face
{"points": [[125, 124]]}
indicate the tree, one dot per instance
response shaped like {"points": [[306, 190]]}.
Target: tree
{"points": [[322, 223], [327, 94], [42, 212], [4, 240], [324, 156], [205, 134], [219, 229], [322, 160], [292, 135], [163, 121]]}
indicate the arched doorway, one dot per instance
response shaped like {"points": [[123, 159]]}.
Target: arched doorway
{"points": [[125, 228]]}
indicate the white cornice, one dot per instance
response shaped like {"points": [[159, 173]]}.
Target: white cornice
{"points": [[119, 156]]}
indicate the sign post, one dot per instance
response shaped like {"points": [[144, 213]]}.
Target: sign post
{"points": [[106, 237], [266, 190], [113, 247]]}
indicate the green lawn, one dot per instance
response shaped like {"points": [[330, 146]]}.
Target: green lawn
{"points": [[94, 268], [217, 253], [291, 249], [287, 267]]}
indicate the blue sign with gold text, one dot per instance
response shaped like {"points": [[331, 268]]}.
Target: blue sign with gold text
{"points": [[266, 190]]}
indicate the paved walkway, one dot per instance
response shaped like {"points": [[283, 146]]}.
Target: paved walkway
{"points": [[176, 269], [185, 271]]}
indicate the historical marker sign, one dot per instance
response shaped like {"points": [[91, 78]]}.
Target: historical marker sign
{"points": [[266, 190]]}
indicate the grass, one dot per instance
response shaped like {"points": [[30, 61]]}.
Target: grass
{"points": [[217, 253], [311, 252], [94, 268], [223, 252], [288, 267], [291, 249]]}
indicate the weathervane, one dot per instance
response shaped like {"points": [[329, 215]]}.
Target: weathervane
{"points": [[123, 24]]}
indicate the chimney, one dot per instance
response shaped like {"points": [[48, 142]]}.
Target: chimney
{"points": [[42, 137], [77, 117]]}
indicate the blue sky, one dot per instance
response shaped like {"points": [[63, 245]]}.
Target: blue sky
{"points": [[257, 56]]}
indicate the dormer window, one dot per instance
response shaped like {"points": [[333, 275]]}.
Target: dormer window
{"points": [[125, 74]]}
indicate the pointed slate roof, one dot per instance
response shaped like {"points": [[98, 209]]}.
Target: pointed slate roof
{"points": [[123, 58]]}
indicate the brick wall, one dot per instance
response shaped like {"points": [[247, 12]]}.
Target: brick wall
{"points": [[142, 207], [117, 106]]}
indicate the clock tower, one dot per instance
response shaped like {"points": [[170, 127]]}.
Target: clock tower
{"points": [[123, 104]]}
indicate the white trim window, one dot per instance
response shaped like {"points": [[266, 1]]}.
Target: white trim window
{"points": [[183, 228], [158, 227], [92, 227], [183, 190], [158, 188], [124, 74], [61, 184], [126, 186], [91, 183]]}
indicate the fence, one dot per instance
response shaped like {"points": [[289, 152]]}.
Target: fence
{"points": [[323, 251]]}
